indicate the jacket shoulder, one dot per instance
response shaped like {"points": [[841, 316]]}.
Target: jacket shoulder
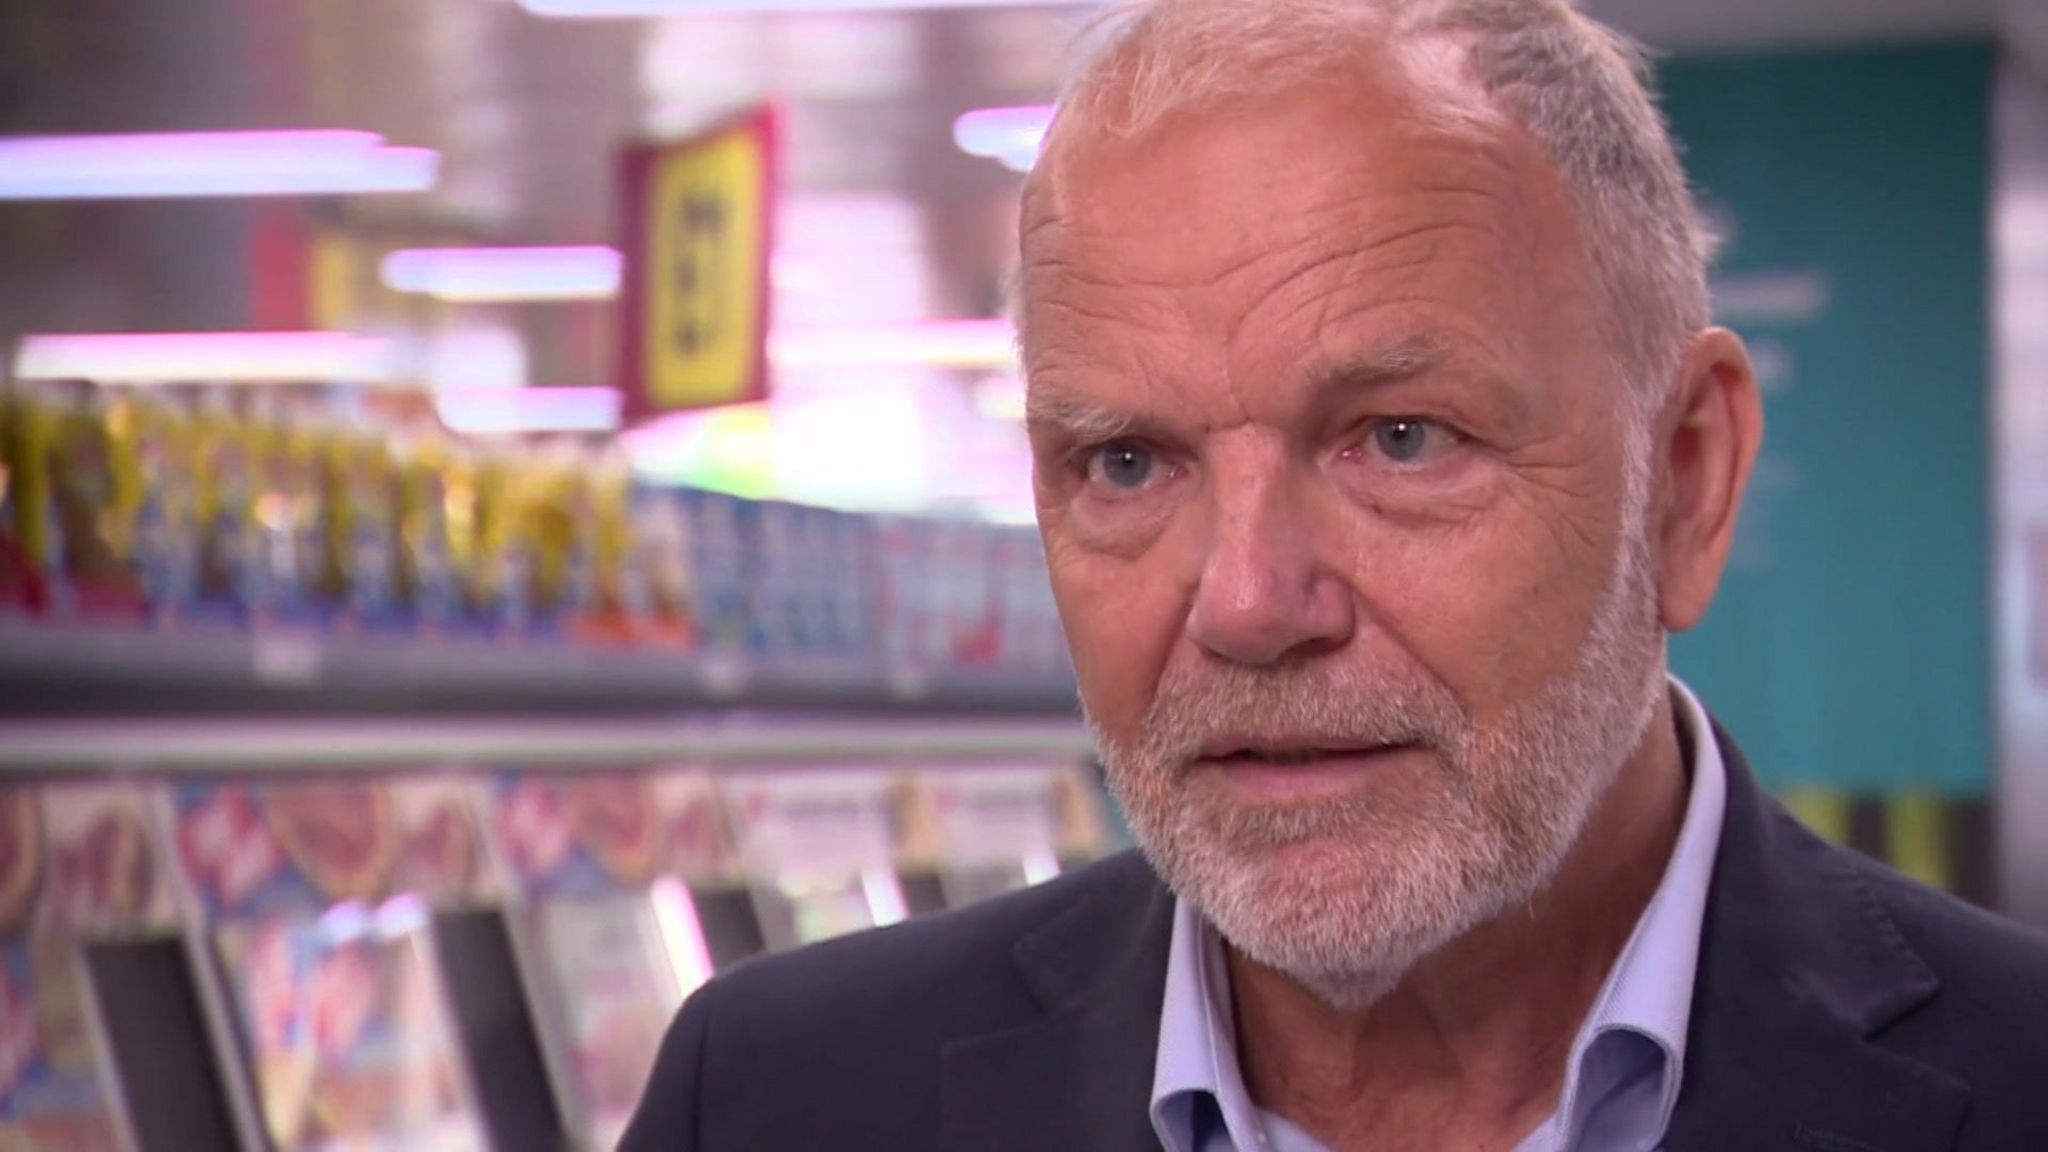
{"points": [[1983, 1025], [925, 964], [840, 1044], [1982, 961]]}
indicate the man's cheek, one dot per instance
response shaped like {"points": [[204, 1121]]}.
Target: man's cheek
{"points": [[1119, 637], [1491, 622]]}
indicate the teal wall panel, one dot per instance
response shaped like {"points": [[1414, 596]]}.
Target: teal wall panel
{"points": [[1849, 647]]}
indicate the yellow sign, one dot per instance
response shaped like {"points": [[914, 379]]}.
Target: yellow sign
{"points": [[696, 315]]}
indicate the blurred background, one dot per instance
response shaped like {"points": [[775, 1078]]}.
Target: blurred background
{"points": [[509, 507]]}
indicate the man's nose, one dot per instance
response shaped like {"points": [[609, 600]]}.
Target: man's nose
{"points": [[1265, 594]]}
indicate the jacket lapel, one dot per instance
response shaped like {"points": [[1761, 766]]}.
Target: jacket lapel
{"points": [[1800, 969], [1080, 1078]]}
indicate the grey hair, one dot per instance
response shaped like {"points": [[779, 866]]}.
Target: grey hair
{"points": [[1577, 88]]}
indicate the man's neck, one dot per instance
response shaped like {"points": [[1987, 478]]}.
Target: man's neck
{"points": [[1469, 1049]]}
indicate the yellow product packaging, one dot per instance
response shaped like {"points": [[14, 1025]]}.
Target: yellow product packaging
{"points": [[461, 471], [436, 500], [21, 577], [156, 495], [502, 577], [232, 567], [37, 422], [291, 511], [362, 519], [620, 609], [559, 506], [94, 575]]}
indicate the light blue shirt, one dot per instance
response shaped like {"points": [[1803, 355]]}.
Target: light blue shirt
{"points": [[1626, 1062]]}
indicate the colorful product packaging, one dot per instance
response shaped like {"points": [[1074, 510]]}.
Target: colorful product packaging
{"points": [[559, 509], [656, 588], [853, 594], [157, 495], [1085, 825], [233, 574], [76, 861], [1030, 639], [819, 847], [319, 895], [362, 576], [53, 1092], [999, 827], [291, 511], [21, 488], [501, 572], [94, 577], [721, 539], [351, 1037], [912, 636], [597, 855], [433, 497]]}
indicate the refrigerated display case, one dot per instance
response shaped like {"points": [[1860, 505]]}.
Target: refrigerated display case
{"points": [[601, 861], [313, 959], [819, 851], [317, 898], [998, 828], [104, 1044]]}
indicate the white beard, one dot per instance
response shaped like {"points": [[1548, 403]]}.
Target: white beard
{"points": [[1347, 895]]}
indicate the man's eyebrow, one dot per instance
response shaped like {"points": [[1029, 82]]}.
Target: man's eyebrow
{"points": [[1401, 359], [1084, 420], [1048, 408]]}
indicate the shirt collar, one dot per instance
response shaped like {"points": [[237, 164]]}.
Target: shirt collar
{"points": [[1648, 992], [1198, 1042]]}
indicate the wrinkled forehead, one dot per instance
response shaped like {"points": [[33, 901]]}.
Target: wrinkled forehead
{"points": [[1290, 193], [1123, 153], [1143, 86]]}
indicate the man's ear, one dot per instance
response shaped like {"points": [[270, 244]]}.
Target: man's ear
{"points": [[1706, 443]]}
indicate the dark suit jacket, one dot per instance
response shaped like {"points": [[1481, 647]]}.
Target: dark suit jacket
{"points": [[1838, 1007]]}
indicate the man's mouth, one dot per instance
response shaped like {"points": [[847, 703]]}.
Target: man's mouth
{"points": [[1294, 771], [1285, 753]]}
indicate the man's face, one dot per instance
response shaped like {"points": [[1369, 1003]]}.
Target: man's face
{"points": [[1333, 472]]}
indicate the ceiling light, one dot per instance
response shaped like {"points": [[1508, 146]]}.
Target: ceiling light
{"points": [[193, 164], [505, 274], [988, 344], [1010, 136], [177, 357], [497, 411]]}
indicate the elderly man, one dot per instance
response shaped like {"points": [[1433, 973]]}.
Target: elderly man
{"points": [[1380, 438]]}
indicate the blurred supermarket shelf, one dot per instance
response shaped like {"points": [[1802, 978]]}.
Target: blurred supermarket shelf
{"points": [[48, 671], [299, 745]]}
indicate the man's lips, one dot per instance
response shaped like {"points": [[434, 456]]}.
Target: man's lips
{"points": [[1288, 749], [1284, 771]]}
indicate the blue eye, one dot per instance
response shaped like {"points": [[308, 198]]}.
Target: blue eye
{"points": [[1408, 441], [1123, 464]]}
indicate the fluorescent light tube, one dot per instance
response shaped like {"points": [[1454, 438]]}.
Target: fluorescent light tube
{"points": [[505, 274], [989, 344], [196, 164], [1008, 135], [497, 411], [176, 357]]}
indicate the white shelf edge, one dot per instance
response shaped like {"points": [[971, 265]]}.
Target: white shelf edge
{"points": [[320, 745]]}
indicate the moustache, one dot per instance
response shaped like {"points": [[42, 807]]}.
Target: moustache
{"points": [[1195, 709]]}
